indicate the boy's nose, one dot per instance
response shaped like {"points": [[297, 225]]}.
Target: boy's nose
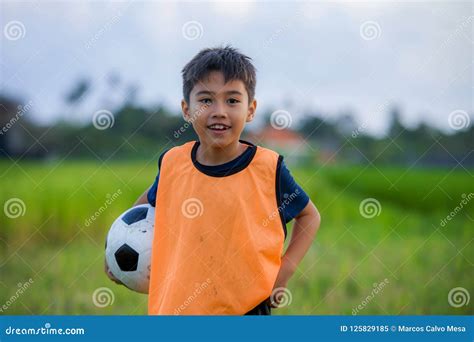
{"points": [[219, 111], [219, 114]]}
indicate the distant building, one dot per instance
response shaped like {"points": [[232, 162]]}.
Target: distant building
{"points": [[290, 144]]}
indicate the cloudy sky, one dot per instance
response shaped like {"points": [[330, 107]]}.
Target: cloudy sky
{"points": [[361, 57]]}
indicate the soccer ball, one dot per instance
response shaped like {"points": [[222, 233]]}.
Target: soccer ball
{"points": [[128, 247]]}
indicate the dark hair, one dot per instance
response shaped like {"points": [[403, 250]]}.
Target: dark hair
{"points": [[233, 64]]}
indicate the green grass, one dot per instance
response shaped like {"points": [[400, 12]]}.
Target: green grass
{"points": [[405, 244]]}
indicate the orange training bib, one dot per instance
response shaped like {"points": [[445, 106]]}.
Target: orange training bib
{"points": [[218, 240]]}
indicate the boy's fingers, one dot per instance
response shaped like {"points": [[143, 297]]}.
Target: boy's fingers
{"points": [[276, 298], [273, 302], [111, 276]]}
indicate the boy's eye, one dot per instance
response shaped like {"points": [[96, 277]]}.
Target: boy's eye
{"points": [[205, 101], [233, 101]]}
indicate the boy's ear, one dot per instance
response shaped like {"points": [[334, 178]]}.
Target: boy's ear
{"points": [[251, 110], [185, 109]]}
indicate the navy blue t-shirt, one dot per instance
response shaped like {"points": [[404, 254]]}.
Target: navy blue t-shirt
{"points": [[292, 197]]}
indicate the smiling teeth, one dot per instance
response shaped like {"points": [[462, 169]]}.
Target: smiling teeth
{"points": [[218, 126]]}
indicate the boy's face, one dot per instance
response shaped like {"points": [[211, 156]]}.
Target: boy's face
{"points": [[218, 110]]}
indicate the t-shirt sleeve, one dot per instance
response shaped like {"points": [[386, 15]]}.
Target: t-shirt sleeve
{"points": [[151, 196], [293, 199]]}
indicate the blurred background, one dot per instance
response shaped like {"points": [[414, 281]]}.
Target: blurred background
{"points": [[371, 104]]}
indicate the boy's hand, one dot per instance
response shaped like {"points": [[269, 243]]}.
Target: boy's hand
{"points": [[110, 275], [280, 292]]}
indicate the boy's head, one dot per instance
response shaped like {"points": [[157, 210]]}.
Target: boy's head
{"points": [[219, 88]]}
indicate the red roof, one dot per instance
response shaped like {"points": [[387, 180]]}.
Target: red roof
{"points": [[270, 135]]}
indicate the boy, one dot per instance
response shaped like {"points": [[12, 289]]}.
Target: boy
{"points": [[220, 219]]}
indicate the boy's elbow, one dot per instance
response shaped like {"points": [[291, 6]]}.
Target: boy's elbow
{"points": [[312, 211], [310, 218], [317, 215]]}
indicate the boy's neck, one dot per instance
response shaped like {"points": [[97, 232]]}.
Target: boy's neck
{"points": [[212, 156]]}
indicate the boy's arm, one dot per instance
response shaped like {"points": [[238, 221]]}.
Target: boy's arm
{"points": [[143, 199], [304, 230]]}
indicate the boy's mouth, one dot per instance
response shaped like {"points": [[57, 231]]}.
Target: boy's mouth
{"points": [[218, 127]]}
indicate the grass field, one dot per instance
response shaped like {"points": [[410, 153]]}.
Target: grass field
{"points": [[405, 245]]}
